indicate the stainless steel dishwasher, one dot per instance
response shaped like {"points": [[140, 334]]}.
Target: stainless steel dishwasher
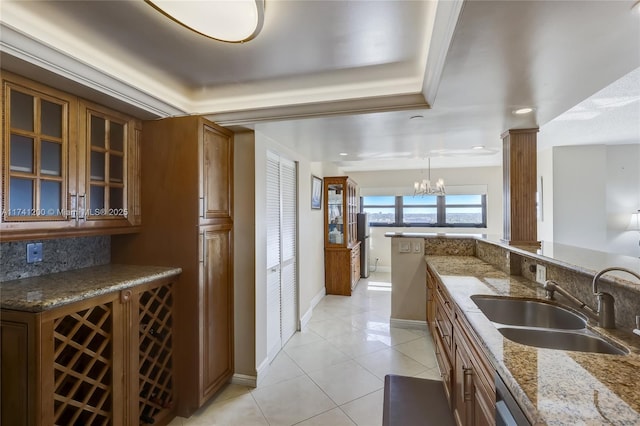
{"points": [[508, 412]]}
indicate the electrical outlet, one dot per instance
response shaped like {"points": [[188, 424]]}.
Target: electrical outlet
{"points": [[34, 252], [417, 247], [541, 274]]}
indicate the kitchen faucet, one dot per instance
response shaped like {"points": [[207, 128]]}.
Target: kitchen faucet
{"points": [[605, 313]]}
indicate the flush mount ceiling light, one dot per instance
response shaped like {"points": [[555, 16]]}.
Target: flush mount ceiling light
{"points": [[523, 111], [234, 21], [424, 187]]}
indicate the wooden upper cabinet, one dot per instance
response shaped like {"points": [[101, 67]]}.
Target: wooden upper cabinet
{"points": [[216, 170], [38, 155], [69, 167], [109, 169]]}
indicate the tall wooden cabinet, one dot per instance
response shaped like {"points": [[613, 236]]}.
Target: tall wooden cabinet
{"points": [[69, 166], [187, 187], [341, 246]]}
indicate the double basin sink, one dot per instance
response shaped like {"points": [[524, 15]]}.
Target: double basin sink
{"points": [[543, 324]]}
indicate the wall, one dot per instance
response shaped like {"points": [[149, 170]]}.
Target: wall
{"points": [[58, 255], [408, 278], [595, 190], [545, 171], [244, 255], [399, 182]]}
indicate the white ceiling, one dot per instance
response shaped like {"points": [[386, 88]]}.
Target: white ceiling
{"points": [[326, 77]]}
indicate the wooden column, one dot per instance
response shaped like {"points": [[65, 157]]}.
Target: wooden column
{"points": [[519, 165]]}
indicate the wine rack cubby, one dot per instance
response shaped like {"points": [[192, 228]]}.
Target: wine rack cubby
{"points": [[83, 367], [156, 387]]}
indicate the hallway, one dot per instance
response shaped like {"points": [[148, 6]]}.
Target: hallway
{"points": [[331, 373]]}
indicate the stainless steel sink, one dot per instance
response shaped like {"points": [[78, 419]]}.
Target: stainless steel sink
{"points": [[528, 313], [582, 341]]}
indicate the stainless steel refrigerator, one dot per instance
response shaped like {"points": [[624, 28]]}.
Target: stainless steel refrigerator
{"points": [[363, 237]]}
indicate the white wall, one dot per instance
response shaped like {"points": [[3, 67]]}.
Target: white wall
{"points": [[400, 182], [595, 190]]}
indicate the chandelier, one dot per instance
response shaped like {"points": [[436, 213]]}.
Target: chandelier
{"points": [[424, 187]]}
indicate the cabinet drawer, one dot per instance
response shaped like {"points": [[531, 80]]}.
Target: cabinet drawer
{"points": [[444, 365], [442, 299], [444, 328]]}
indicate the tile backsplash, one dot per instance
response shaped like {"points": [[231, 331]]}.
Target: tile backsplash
{"points": [[58, 255]]}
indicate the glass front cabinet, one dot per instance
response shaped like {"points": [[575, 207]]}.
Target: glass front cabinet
{"points": [[67, 165], [340, 238]]}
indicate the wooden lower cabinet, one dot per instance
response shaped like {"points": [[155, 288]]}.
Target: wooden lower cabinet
{"points": [[342, 269], [466, 372], [107, 360]]}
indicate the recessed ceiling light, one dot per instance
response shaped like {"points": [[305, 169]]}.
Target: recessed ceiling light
{"points": [[523, 111], [231, 21], [343, 154]]}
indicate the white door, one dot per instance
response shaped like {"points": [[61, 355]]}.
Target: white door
{"points": [[282, 227]]}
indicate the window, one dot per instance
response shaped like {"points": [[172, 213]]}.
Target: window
{"points": [[426, 211], [381, 209]]}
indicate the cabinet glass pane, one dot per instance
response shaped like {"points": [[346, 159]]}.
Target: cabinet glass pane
{"points": [[116, 137], [50, 196], [21, 197], [115, 168], [97, 199], [50, 161], [335, 213], [116, 200], [21, 111], [21, 154], [97, 165], [97, 131], [51, 119]]}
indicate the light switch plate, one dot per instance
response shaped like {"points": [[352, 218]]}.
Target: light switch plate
{"points": [[541, 274], [404, 247], [34, 252], [417, 247]]}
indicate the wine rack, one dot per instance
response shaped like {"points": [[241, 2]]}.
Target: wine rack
{"points": [[83, 367], [156, 387]]}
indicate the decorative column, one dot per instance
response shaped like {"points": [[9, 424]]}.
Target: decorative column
{"points": [[519, 165]]}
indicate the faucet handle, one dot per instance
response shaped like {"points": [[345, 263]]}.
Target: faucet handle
{"points": [[549, 288]]}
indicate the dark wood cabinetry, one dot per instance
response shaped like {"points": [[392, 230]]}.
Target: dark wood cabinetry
{"points": [[466, 372], [69, 167], [187, 188], [341, 247], [106, 360]]}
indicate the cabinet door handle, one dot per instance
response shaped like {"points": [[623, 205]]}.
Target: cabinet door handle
{"points": [[440, 329], [73, 207], [201, 206], [203, 245], [82, 202], [467, 382]]}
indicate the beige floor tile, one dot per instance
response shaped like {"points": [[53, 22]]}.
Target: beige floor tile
{"points": [[357, 343], [432, 373], [392, 336], [390, 361], [366, 411], [346, 381], [282, 368], [420, 350], [335, 417], [232, 390], [178, 421], [366, 320], [316, 355], [239, 411], [303, 337], [289, 402], [332, 327]]}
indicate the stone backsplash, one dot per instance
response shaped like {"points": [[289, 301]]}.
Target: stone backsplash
{"points": [[58, 255], [449, 247]]}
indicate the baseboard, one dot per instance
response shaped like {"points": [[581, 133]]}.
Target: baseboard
{"points": [[411, 324], [261, 371], [244, 380], [314, 302], [381, 269]]}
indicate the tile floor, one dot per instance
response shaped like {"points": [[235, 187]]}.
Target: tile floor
{"points": [[332, 372]]}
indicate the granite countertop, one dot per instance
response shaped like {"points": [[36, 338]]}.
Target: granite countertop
{"points": [[552, 386], [37, 294]]}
